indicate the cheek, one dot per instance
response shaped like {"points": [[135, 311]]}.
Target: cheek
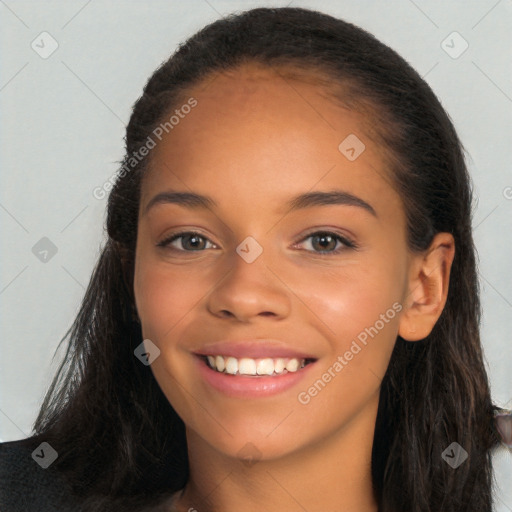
{"points": [[358, 311], [348, 300], [164, 296]]}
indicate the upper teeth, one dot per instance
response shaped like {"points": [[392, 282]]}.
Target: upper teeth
{"points": [[248, 366]]}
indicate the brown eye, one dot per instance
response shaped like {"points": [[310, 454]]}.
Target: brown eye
{"points": [[324, 242], [327, 243], [190, 241]]}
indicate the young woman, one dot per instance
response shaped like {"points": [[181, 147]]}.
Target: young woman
{"points": [[286, 313]]}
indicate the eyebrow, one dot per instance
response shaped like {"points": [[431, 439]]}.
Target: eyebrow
{"points": [[302, 201]]}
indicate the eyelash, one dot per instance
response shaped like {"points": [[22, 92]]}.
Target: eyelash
{"points": [[347, 243]]}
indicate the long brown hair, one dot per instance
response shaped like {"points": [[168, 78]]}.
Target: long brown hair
{"points": [[120, 443]]}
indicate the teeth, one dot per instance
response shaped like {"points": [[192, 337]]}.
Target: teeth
{"points": [[265, 367], [279, 365], [292, 365], [249, 366], [231, 365], [219, 364]]}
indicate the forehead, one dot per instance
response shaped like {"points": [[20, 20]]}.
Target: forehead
{"points": [[267, 132]]}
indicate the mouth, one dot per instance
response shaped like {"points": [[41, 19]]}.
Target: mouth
{"points": [[250, 367], [248, 378]]}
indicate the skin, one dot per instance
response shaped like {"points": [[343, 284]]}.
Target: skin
{"points": [[253, 142]]}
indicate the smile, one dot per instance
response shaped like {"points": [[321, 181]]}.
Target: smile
{"points": [[249, 378], [255, 367]]}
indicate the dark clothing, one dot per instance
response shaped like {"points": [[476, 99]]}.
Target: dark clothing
{"points": [[25, 486]]}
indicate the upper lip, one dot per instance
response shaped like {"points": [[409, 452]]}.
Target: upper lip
{"points": [[254, 349]]}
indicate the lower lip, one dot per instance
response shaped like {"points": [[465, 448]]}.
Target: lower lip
{"points": [[247, 386]]}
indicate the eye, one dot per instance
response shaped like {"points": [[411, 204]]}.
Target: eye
{"points": [[326, 243], [190, 241]]}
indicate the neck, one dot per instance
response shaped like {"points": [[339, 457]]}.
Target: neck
{"points": [[332, 474]]}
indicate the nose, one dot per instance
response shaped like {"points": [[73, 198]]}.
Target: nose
{"points": [[250, 290]]}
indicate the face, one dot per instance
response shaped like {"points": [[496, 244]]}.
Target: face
{"points": [[253, 277]]}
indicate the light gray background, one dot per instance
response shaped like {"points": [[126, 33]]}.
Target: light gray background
{"points": [[62, 127]]}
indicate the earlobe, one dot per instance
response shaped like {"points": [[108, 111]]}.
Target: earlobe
{"points": [[428, 288]]}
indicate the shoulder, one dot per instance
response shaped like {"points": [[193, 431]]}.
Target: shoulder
{"points": [[28, 482]]}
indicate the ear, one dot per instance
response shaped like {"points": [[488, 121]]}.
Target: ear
{"points": [[427, 289]]}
